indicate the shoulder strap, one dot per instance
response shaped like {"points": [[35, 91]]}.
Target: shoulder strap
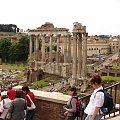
{"points": [[3, 103], [101, 90], [72, 98], [30, 99], [75, 97]]}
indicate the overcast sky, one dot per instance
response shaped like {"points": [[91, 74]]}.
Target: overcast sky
{"points": [[99, 16]]}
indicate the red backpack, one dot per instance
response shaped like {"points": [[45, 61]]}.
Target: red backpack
{"points": [[79, 107]]}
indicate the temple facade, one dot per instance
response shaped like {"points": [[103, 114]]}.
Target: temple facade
{"points": [[60, 51]]}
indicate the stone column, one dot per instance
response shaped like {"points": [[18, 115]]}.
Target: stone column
{"points": [[37, 46], [74, 70], [58, 50], [79, 36], [65, 49], [43, 47], [50, 52], [119, 48], [34, 47], [84, 67], [69, 48], [30, 47]]}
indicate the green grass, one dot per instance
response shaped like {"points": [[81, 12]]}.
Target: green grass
{"points": [[1, 82], [12, 66], [116, 65], [110, 78], [40, 83], [20, 75]]}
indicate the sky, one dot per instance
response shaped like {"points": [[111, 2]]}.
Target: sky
{"points": [[99, 16]]}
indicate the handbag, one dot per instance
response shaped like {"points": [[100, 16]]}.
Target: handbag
{"points": [[8, 116], [32, 104], [4, 114]]}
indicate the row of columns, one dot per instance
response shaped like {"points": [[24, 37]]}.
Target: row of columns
{"points": [[67, 47], [79, 44], [79, 52]]}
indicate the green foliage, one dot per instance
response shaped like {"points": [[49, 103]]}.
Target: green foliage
{"points": [[40, 83], [20, 75], [23, 49], [1, 82], [4, 49], [8, 27], [116, 65], [110, 78], [54, 47], [47, 49], [15, 51]]}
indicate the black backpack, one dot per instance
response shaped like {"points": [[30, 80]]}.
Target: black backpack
{"points": [[80, 106], [108, 102]]}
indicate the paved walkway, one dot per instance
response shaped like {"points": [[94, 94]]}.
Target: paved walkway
{"points": [[115, 118]]}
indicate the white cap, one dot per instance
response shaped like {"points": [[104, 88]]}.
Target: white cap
{"points": [[3, 93]]}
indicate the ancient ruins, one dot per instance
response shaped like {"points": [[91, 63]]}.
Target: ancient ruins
{"points": [[69, 59]]}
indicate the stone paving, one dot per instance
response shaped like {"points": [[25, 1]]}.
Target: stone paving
{"points": [[114, 118]]}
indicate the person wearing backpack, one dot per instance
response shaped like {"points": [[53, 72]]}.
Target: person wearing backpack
{"points": [[4, 105], [71, 104], [30, 99], [96, 100]]}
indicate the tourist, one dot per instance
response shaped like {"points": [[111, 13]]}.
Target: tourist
{"points": [[96, 100], [4, 105], [18, 107], [71, 104], [11, 93], [30, 113], [0, 95]]}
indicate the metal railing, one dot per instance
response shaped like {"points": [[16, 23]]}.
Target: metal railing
{"points": [[114, 90]]}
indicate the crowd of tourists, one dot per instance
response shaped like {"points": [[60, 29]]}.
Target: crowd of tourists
{"points": [[17, 104]]}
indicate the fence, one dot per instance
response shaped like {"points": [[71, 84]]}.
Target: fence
{"points": [[114, 90]]}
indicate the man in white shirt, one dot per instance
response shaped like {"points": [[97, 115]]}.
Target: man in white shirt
{"points": [[96, 100]]}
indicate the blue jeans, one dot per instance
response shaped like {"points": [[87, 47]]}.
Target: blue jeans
{"points": [[98, 117], [30, 115]]}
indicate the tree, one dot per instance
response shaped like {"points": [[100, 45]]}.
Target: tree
{"points": [[4, 49], [23, 48], [13, 52], [16, 51]]}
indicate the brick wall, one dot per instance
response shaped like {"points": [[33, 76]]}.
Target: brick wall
{"points": [[47, 110]]}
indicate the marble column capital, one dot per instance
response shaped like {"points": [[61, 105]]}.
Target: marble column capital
{"points": [[32, 35], [85, 34], [69, 35], [74, 34], [65, 36], [84, 28], [51, 35], [58, 35], [43, 35]]}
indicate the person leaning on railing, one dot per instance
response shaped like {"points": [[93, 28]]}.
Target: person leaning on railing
{"points": [[96, 100], [70, 109]]}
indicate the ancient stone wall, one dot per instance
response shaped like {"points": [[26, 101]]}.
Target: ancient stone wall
{"points": [[47, 110]]}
